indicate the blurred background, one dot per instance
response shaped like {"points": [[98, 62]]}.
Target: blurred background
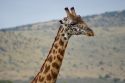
{"points": [[28, 29]]}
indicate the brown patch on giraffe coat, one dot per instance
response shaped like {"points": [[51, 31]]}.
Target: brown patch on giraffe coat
{"points": [[46, 68], [54, 74], [49, 77], [53, 51], [63, 34], [61, 51], [41, 79], [56, 51], [56, 46], [59, 58], [54, 57], [50, 58], [61, 42], [55, 65]]}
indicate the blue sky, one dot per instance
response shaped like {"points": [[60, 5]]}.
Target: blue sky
{"points": [[19, 12]]}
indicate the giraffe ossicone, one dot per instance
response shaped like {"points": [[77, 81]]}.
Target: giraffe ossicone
{"points": [[72, 24]]}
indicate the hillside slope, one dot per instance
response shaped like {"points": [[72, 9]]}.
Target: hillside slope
{"points": [[108, 19], [23, 50]]}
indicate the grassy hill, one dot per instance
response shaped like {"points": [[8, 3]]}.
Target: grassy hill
{"points": [[107, 19], [24, 48]]}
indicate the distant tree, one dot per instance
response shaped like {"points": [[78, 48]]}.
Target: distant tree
{"points": [[107, 76], [116, 79]]}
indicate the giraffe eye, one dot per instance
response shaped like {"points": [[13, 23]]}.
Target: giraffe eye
{"points": [[72, 23], [80, 26]]}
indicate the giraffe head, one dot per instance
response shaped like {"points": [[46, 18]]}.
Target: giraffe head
{"points": [[74, 25]]}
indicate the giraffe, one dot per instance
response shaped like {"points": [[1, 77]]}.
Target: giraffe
{"points": [[72, 24]]}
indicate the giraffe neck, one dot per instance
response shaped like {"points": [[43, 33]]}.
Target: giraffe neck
{"points": [[50, 69]]}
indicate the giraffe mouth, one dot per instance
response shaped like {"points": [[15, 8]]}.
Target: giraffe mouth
{"points": [[89, 33]]}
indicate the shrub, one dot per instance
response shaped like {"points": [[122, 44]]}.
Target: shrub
{"points": [[5, 81], [116, 80], [105, 77]]}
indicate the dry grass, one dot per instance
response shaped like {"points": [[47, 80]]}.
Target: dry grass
{"points": [[23, 52]]}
